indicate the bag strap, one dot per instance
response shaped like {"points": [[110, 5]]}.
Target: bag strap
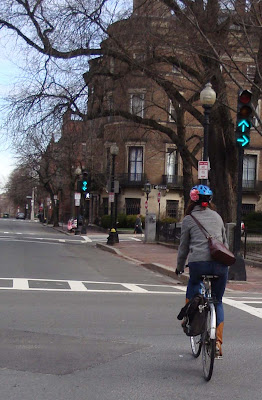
{"points": [[201, 227]]}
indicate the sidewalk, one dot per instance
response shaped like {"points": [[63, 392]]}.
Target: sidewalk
{"points": [[163, 259]]}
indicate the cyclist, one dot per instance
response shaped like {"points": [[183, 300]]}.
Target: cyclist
{"points": [[194, 245]]}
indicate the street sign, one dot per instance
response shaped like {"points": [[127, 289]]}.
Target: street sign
{"points": [[111, 197], [159, 197], [203, 167], [160, 187], [77, 196], [77, 202], [146, 204]]}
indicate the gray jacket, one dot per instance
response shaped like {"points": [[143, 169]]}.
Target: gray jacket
{"points": [[193, 243]]}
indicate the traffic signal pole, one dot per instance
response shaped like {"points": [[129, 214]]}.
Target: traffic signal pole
{"points": [[237, 271], [237, 241]]}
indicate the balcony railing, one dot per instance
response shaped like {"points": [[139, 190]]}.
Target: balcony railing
{"points": [[132, 180], [252, 186], [173, 181]]}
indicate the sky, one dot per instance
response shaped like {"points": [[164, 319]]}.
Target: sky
{"points": [[9, 72]]}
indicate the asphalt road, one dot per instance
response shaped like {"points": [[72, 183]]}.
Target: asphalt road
{"points": [[79, 323]]}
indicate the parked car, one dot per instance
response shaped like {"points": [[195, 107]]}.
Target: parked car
{"points": [[5, 215], [20, 215]]}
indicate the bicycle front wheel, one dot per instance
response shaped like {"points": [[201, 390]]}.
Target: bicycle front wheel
{"points": [[208, 345], [196, 345]]}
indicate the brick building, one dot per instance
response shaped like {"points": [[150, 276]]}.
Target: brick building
{"points": [[146, 154]]}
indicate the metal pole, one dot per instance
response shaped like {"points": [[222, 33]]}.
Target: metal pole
{"points": [[112, 189], [237, 271], [207, 110], [237, 245]]}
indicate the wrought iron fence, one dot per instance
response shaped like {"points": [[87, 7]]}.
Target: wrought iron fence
{"points": [[169, 233]]}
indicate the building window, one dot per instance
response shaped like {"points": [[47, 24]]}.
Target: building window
{"points": [[171, 165], [249, 170], [137, 102], [251, 70], [172, 208], [108, 161], [135, 163], [248, 208], [172, 112], [133, 206], [110, 102], [258, 112]]}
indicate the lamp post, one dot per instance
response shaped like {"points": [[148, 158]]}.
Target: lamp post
{"points": [[147, 189], [207, 99], [113, 235]]}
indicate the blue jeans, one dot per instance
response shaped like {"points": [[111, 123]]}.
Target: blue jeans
{"points": [[196, 269]]}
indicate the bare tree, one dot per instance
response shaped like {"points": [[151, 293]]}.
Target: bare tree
{"points": [[200, 38]]}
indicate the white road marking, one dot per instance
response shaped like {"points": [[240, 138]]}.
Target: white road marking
{"points": [[21, 284], [87, 239], [79, 286], [134, 238], [257, 312], [134, 288]]}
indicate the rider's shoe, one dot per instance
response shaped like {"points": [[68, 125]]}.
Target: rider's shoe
{"points": [[218, 354]]}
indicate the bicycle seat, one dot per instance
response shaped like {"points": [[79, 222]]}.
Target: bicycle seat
{"points": [[210, 277]]}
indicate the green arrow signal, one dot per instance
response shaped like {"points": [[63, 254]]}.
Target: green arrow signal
{"points": [[244, 125], [244, 140], [84, 186]]}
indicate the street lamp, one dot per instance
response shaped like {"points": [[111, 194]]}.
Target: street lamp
{"points": [[147, 189], [207, 99], [113, 236]]}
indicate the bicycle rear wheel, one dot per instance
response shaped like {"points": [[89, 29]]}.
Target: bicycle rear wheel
{"points": [[196, 345], [208, 348]]}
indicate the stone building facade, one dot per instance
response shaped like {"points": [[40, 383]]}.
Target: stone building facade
{"points": [[145, 154]]}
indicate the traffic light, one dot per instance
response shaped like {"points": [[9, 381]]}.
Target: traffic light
{"points": [[244, 117], [83, 185]]}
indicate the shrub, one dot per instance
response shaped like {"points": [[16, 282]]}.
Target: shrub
{"points": [[106, 221], [121, 219], [168, 220], [253, 220], [130, 221]]}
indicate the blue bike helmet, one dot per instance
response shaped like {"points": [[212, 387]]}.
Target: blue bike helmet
{"points": [[200, 194]]}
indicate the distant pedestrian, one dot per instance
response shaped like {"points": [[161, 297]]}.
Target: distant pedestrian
{"points": [[138, 225]]}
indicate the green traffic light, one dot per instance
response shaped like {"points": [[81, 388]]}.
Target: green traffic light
{"points": [[84, 186], [244, 125]]}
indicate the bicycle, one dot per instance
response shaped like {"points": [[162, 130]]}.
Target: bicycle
{"points": [[207, 340]]}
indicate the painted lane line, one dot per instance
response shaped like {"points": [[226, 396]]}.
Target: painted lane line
{"points": [[134, 238], [61, 240], [257, 312], [77, 286], [20, 284], [87, 239], [134, 288]]}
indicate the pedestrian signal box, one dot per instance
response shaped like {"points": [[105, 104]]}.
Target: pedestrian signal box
{"points": [[244, 117]]}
